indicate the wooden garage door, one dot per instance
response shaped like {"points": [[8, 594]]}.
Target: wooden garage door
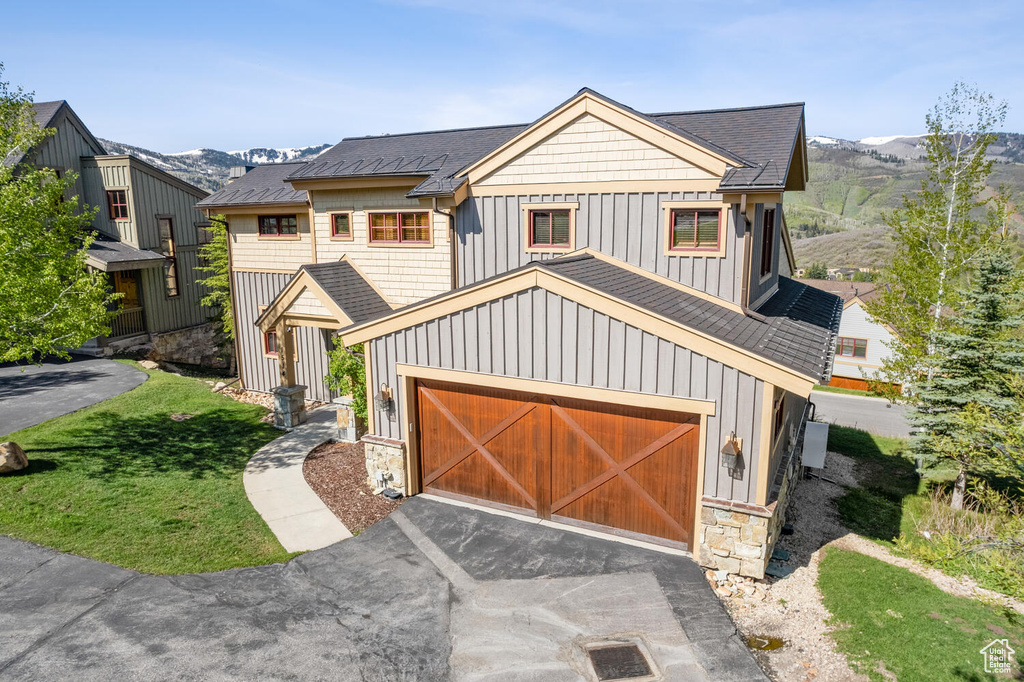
{"points": [[620, 467]]}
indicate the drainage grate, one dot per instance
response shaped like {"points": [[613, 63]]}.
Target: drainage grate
{"points": [[619, 662]]}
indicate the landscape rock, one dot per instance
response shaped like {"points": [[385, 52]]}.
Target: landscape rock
{"points": [[148, 364], [12, 458]]}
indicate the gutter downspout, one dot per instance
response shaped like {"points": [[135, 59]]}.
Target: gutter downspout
{"points": [[452, 254]]}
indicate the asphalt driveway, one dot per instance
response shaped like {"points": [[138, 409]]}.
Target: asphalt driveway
{"points": [[32, 394], [874, 415], [434, 592]]}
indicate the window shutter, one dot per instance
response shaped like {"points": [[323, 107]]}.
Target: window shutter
{"points": [[707, 229], [683, 229], [541, 227], [560, 228]]}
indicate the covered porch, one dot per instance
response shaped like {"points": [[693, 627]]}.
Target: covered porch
{"points": [[326, 296]]}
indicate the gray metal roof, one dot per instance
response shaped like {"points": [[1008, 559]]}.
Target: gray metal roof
{"points": [[437, 156], [348, 289], [758, 140], [111, 255], [263, 185], [797, 330]]}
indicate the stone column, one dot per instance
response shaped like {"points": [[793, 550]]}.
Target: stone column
{"points": [[350, 427], [289, 406]]}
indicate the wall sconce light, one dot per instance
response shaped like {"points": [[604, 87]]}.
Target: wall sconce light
{"points": [[732, 453], [382, 401]]}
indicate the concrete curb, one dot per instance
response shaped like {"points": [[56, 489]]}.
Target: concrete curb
{"points": [[277, 489]]}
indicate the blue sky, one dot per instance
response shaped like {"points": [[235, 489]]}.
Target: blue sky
{"points": [[173, 76]]}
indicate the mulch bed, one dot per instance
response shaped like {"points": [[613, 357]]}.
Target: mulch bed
{"points": [[337, 473]]}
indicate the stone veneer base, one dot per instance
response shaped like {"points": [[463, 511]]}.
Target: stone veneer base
{"points": [[385, 463]]}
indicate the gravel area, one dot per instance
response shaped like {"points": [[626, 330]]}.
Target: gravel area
{"points": [[337, 473], [792, 608]]}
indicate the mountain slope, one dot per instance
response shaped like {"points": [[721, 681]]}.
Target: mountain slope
{"points": [[208, 168], [839, 219]]}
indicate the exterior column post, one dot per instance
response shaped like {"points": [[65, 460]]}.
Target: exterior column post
{"points": [[289, 398], [286, 354]]}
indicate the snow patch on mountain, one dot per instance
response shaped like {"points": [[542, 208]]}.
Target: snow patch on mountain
{"points": [[825, 141], [877, 141]]}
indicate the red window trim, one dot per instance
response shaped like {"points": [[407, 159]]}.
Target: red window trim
{"points": [[266, 343], [285, 235], [695, 211], [529, 231], [767, 241], [111, 195], [851, 342], [400, 240]]}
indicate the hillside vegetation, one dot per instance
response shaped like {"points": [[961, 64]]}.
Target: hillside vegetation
{"points": [[839, 221]]}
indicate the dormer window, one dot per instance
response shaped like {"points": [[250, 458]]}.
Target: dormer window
{"points": [[695, 229], [117, 204]]}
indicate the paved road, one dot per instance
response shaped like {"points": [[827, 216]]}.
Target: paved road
{"points": [[31, 394], [434, 592], [875, 415]]}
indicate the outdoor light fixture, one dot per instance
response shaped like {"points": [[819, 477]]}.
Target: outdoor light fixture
{"points": [[382, 401], [732, 455]]}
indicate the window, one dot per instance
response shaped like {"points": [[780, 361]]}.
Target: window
{"points": [[270, 344], [767, 241], [400, 228], [551, 228], [167, 248], [852, 348], [117, 204], [341, 225], [778, 414], [694, 229], [278, 226]]}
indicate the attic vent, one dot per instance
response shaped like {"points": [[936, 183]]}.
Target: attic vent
{"points": [[619, 662]]}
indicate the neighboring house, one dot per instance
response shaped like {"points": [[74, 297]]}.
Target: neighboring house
{"points": [[148, 229], [863, 343], [589, 318]]}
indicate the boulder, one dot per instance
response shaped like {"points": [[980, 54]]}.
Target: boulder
{"points": [[149, 364], [12, 458]]}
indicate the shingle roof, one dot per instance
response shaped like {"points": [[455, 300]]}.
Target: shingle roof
{"points": [[797, 330], [262, 185], [760, 140], [766, 135], [348, 289], [112, 252]]}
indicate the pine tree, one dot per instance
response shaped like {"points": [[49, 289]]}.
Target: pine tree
{"points": [[976, 362]]}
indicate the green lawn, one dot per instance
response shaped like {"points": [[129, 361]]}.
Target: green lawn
{"points": [[889, 616], [122, 482], [845, 391]]}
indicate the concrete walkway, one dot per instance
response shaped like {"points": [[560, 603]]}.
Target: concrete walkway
{"points": [[32, 394], [277, 489]]}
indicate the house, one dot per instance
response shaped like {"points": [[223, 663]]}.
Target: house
{"points": [[589, 318], [148, 231], [863, 343]]}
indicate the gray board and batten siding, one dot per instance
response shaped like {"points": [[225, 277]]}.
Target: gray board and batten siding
{"points": [[64, 149], [536, 334], [757, 287], [253, 290], [627, 226]]}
